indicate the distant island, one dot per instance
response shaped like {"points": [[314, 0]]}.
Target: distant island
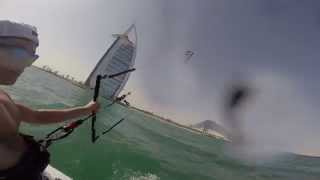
{"points": [[210, 127]]}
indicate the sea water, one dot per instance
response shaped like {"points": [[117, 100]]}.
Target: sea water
{"points": [[142, 147]]}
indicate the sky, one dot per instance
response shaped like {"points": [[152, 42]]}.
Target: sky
{"points": [[272, 44]]}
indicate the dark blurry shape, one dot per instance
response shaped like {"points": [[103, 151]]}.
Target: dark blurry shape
{"points": [[188, 55], [237, 95]]}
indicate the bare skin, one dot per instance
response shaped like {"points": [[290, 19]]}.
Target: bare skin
{"points": [[12, 145]]}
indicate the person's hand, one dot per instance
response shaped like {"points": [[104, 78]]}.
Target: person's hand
{"points": [[93, 106]]}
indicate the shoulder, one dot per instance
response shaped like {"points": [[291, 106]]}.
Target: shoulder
{"points": [[8, 113], [6, 101], [4, 96]]}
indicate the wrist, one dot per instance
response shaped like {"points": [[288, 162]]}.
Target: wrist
{"points": [[85, 110], [89, 110]]}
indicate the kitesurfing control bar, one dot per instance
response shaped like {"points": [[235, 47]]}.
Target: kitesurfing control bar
{"points": [[94, 117], [64, 131], [118, 74], [94, 136], [113, 126]]}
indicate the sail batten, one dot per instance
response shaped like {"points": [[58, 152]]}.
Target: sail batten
{"points": [[119, 57]]}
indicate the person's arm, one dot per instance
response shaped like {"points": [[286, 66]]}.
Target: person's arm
{"points": [[47, 116]]}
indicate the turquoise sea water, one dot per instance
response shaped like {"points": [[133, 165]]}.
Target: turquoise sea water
{"points": [[142, 147]]}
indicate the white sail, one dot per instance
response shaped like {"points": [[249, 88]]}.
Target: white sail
{"points": [[119, 57]]}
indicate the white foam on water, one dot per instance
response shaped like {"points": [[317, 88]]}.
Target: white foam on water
{"points": [[147, 176], [129, 174]]}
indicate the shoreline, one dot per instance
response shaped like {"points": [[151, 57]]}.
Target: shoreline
{"points": [[185, 127], [82, 86]]}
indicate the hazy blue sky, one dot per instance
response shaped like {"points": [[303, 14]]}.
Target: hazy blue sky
{"points": [[275, 44]]}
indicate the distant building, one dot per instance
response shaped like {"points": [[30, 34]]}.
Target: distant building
{"points": [[119, 57]]}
